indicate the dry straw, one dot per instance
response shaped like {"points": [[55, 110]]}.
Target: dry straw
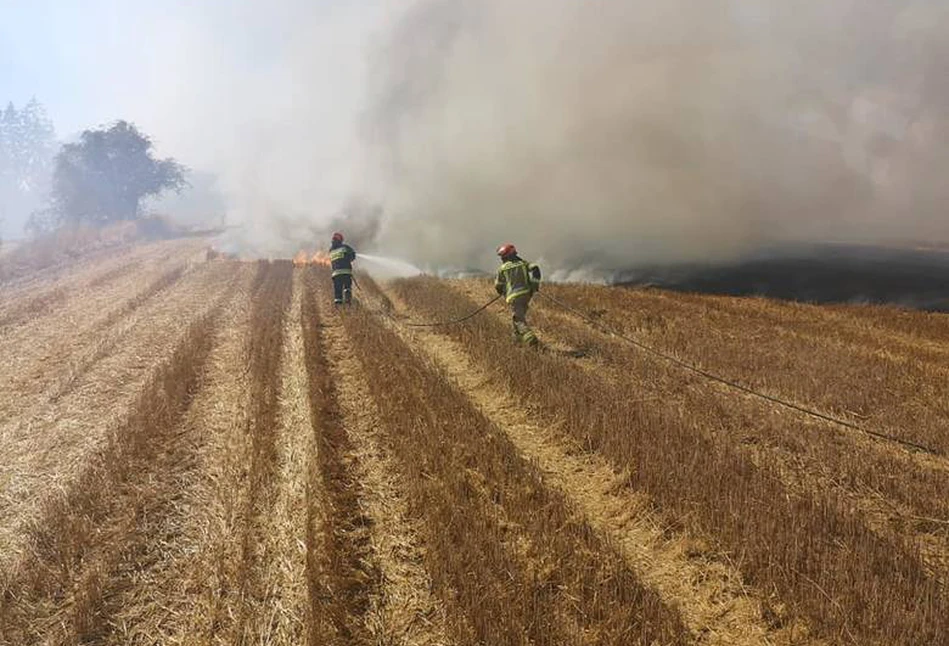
{"points": [[822, 559]]}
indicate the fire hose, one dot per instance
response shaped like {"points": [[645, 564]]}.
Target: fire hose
{"points": [[596, 325], [454, 321], [737, 386]]}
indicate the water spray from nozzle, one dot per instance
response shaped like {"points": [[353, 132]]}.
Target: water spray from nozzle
{"points": [[390, 267]]}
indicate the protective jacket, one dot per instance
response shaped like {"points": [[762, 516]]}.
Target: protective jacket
{"points": [[341, 259], [517, 277]]}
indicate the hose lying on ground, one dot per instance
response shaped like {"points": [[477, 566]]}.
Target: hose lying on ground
{"points": [[735, 385]]}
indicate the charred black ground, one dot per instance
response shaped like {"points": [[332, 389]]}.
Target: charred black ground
{"points": [[826, 273]]}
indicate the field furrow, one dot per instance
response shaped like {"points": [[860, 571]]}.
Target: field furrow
{"points": [[109, 334], [812, 549], [520, 562], [52, 257], [865, 329], [49, 357], [706, 590], [251, 586], [203, 451], [925, 328], [34, 306], [45, 451], [181, 595], [45, 296], [98, 266], [403, 609], [808, 454], [287, 599], [88, 542], [349, 573]]}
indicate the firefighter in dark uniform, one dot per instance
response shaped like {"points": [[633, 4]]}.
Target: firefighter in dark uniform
{"points": [[518, 281], [341, 259]]}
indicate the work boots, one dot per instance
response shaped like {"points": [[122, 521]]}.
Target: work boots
{"points": [[523, 334]]}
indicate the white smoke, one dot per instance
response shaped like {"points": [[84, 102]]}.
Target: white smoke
{"points": [[594, 134], [604, 134]]}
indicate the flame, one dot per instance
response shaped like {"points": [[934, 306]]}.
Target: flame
{"points": [[319, 258]]}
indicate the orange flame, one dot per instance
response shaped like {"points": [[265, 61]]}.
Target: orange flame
{"points": [[319, 258]]}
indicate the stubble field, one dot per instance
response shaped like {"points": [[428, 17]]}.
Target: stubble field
{"points": [[207, 452]]}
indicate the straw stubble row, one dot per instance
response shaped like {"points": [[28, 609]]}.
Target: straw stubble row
{"points": [[706, 589], [505, 551], [822, 560], [90, 539], [808, 454]]}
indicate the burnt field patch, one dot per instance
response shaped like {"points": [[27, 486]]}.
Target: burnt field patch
{"points": [[915, 278]]}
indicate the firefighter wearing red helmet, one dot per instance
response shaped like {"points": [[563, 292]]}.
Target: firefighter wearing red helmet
{"points": [[341, 260], [518, 281]]}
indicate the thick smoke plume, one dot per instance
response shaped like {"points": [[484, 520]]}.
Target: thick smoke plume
{"points": [[604, 134], [596, 134]]}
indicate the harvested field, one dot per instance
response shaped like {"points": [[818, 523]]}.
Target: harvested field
{"points": [[209, 452]]}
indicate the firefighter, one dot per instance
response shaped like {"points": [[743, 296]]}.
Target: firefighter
{"points": [[341, 259], [518, 280]]}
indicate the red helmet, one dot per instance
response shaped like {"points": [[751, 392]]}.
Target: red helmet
{"points": [[337, 237], [506, 250]]}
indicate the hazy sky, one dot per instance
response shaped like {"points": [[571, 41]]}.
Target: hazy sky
{"points": [[166, 64], [91, 61], [188, 71]]}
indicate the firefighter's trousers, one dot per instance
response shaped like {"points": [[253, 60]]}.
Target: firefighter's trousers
{"points": [[343, 288], [522, 331]]}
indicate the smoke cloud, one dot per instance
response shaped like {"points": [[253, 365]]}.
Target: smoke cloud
{"points": [[268, 96], [596, 135], [604, 134], [265, 97]]}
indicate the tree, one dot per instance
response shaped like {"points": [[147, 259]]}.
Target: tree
{"points": [[27, 148], [105, 176]]}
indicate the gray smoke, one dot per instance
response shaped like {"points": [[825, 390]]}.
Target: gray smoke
{"points": [[607, 133], [595, 134]]}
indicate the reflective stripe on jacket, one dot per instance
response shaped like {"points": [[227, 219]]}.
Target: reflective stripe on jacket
{"points": [[517, 278], [341, 259]]}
